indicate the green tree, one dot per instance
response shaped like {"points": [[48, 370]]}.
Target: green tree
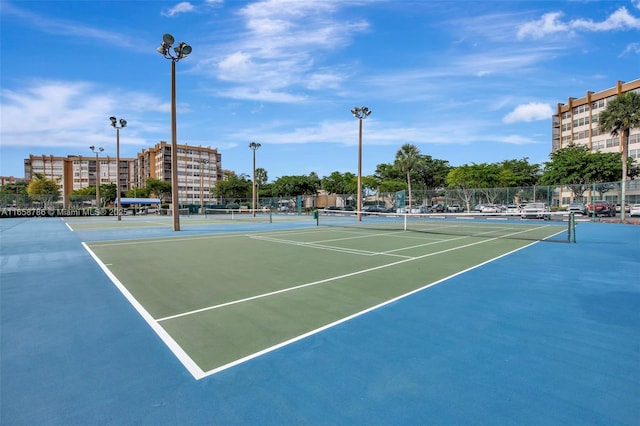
{"points": [[108, 193], [296, 185], [388, 172], [577, 168], [42, 189], [14, 193], [461, 180], [407, 159], [137, 193], [338, 183], [432, 173], [620, 116], [389, 178], [159, 188], [233, 187], [518, 173], [79, 196]]}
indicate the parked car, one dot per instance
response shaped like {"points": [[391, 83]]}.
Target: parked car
{"points": [[514, 209], [454, 208], [478, 208], [634, 210], [577, 208], [375, 209], [436, 208], [536, 211], [627, 208], [601, 208], [490, 208]]}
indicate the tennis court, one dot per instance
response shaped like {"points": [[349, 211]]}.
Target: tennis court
{"points": [[287, 322], [217, 300]]}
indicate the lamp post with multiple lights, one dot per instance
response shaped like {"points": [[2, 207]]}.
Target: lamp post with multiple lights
{"points": [[97, 150], [179, 52], [123, 124], [360, 113], [254, 146]]}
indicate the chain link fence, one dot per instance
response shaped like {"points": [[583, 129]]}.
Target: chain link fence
{"points": [[461, 199]]}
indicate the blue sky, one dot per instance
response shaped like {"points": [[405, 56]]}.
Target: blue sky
{"points": [[465, 81]]}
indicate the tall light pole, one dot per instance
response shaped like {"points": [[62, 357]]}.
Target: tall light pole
{"points": [[360, 113], [254, 146], [202, 162], [123, 124], [96, 151], [181, 51]]}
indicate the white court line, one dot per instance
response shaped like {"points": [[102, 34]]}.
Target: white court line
{"points": [[319, 246], [177, 350]]}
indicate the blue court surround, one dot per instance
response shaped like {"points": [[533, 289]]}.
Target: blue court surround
{"points": [[548, 335]]}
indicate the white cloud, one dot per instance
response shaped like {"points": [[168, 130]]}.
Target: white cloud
{"points": [[282, 48], [633, 48], [262, 95], [551, 23], [236, 66], [532, 111], [182, 7], [74, 114], [548, 24], [621, 19]]}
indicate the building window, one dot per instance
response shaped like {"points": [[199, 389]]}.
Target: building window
{"points": [[613, 142]]}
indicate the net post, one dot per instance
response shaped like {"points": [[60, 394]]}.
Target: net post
{"points": [[571, 228], [405, 221], [270, 216]]}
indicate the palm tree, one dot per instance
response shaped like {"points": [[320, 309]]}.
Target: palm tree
{"points": [[621, 115], [407, 158]]}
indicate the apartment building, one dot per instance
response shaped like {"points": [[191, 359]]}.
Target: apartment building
{"points": [[199, 168], [78, 171], [576, 122]]}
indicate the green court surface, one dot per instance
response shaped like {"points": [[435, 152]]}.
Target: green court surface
{"points": [[217, 300]]}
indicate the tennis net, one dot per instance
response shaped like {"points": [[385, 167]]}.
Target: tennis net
{"points": [[259, 215], [558, 227]]}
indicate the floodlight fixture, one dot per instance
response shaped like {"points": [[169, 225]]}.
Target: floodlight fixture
{"points": [[168, 39], [182, 50]]}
